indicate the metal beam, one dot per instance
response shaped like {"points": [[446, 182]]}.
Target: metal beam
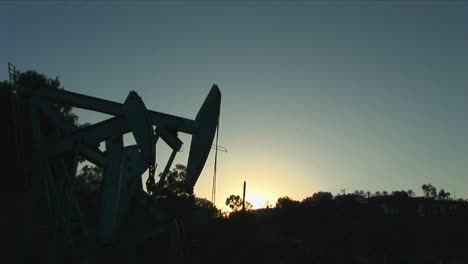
{"points": [[78, 100], [112, 108], [171, 122], [90, 136]]}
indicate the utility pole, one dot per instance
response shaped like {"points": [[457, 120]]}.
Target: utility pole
{"points": [[243, 197]]}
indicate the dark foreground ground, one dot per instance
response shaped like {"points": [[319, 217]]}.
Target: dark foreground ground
{"points": [[386, 240], [279, 237]]}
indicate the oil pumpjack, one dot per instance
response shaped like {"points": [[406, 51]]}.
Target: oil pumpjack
{"points": [[127, 216]]}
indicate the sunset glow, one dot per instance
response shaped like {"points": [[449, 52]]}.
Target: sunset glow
{"points": [[258, 199]]}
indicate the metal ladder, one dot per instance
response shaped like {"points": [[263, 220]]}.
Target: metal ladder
{"points": [[17, 119]]}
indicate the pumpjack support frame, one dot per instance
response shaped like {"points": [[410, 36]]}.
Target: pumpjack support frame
{"points": [[123, 166]]}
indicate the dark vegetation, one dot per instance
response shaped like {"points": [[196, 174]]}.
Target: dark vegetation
{"points": [[358, 227], [354, 227]]}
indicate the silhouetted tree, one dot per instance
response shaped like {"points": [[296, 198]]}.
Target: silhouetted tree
{"points": [[35, 80], [175, 180], [248, 206], [360, 193], [410, 193], [27, 80], [400, 194], [206, 204], [91, 174], [319, 205], [173, 196], [443, 195], [286, 203], [429, 191], [235, 203], [203, 203], [317, 198], [350, 205]]}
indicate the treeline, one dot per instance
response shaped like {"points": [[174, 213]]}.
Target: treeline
{"points": [[430, 192], [354, 227], [362, 204]]}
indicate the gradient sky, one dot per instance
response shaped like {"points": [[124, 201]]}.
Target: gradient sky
{"points": [[315, 96]]}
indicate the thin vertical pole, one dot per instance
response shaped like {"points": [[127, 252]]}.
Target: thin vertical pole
{"points": [[243, 197]]}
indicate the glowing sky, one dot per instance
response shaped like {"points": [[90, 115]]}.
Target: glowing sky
{"points": [[315, 96]]}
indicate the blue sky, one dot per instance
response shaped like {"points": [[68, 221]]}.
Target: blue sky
{"points": [[316, 95]]}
